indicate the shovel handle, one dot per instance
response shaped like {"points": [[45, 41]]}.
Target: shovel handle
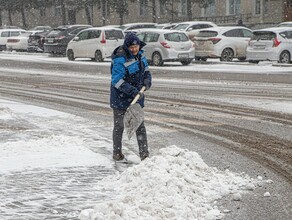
{"points": [[138, 95]]}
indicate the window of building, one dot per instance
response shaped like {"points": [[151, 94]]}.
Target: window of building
{"points": [[258, 5], [58, 11], [210, 9], [234, 7], [143, 7]]}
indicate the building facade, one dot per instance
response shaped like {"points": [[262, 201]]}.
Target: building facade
{"points": [[253, 13]]}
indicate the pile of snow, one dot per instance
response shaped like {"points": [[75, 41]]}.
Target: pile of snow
{"points": [[174, 185]]}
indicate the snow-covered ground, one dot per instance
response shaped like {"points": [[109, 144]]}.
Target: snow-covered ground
{"points": [[36, 143], [176, 184]]}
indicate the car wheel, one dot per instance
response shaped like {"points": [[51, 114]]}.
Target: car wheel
{"points": [[98, 56], [254, 61], [186, 62], [227, 55], [157, 59], [70, 55], [284, 57]]}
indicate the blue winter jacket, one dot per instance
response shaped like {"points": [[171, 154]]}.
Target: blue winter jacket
{"points": [[128, 75]]}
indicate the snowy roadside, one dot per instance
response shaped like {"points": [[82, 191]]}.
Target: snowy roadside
{"points": [[176, 184]]}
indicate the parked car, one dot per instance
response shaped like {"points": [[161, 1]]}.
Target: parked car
{"points": [[193, 27], [285, 24], [166, 45], [41, 28], [57, 39], [131, 26], [166, 25], [95, 43], [274, 44], [36, 42], [5, 34], [19, 43], [225, 43]]}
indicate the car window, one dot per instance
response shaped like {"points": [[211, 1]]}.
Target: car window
{"points": [[113, 34], [246, 33], [55, 32], [83, 35], [207, 34], [92, 34], [289, 34], [5, 34], [286, 34], [263, 35], [234, 33], [151, 37], [76, 31], [181, 26], [141, 36], [176, 37], [14, 33]]}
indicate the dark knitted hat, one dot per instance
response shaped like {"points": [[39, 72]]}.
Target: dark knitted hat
{"points": [[131, 39]]}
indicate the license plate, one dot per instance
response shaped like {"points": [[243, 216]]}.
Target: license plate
{"points": [[50, 40], [183, 55]]}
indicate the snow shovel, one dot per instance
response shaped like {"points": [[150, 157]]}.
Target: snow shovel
{"points": [[134, 115]]}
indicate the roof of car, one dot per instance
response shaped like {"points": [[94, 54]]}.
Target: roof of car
{"points": [[104, 28], [196, 22], [12, 29], [224, 28], [275, 29], [130, 24], [157, 30]]}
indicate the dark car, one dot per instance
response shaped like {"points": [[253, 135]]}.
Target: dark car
{"points": [[57, 39], [36, 42]]}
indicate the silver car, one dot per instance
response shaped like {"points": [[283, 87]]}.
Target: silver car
{"points": [[274, 44], [166, 45]]}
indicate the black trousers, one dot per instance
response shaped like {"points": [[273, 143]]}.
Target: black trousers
{"points": [[119, 129]]}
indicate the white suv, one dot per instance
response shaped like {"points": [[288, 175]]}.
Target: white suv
{"points": [[225, 43], [274, 44], [95, 43], [5, 34]]}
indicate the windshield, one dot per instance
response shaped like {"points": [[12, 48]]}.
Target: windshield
{"points": [[207, 34], [263, 35], [181, 27], [176, 37]]}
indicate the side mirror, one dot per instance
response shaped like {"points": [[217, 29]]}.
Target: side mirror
{"points": [[76, 39]]}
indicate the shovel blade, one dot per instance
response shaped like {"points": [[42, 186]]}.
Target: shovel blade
{"points": [[133, 118]]}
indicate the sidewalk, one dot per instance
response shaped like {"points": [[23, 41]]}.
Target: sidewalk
{"points": [[54, 165]]}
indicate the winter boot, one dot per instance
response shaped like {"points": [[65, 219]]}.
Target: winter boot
{"points": [[118, 156], [144, 155]]}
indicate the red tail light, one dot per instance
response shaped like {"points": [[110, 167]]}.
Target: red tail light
{"points": [[103, 40], [276, 43], [215, 40], [164, 44], [12, 40]]}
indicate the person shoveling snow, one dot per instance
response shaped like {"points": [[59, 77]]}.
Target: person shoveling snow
{"points": [[130, 75]]}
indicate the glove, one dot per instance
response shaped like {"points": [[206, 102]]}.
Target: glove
{"points": [[147, 84]]}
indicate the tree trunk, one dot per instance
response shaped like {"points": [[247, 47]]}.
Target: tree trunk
{"points": [[10, 17], [23, 17], [63, 9], [189, 10], [87, 12], [103, 11], [154, 18], [0, 17], [121, 18]]}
